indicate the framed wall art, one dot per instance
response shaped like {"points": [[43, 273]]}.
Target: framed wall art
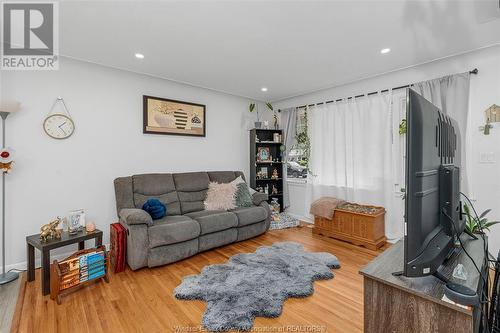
{"points": [[263, 154], [167, 116]]}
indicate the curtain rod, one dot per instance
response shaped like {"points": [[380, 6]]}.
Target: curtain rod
{"points": [[474, 71]]}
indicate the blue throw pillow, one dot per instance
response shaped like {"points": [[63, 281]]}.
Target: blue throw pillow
{"points": [[155, 208]]}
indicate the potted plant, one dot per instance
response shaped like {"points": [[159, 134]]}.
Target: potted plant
{"points": [[477, 224], [255, 107]]}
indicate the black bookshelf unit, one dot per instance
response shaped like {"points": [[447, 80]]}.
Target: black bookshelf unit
{"points": [[261, 172]]}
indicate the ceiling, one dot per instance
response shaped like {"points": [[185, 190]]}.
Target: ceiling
{"points": [[290, 47]]}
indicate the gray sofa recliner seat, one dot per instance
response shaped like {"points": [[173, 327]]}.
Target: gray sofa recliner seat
{"points": [[187, 228]]}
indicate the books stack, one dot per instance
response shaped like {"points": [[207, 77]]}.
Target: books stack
{"points": [[82, 268], [92, 266], [70, 271]]}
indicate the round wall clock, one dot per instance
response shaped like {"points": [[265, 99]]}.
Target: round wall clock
{"points": [[59, 126]]}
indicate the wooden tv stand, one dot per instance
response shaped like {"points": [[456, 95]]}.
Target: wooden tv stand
{"points": [[401, 304]]}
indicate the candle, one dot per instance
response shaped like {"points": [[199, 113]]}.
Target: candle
{"points": [[90, 227]]}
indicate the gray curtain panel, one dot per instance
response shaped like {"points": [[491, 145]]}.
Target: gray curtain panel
{"points": [[289, 123], [451, 95]]}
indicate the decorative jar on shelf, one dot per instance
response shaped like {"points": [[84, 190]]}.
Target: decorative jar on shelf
{"points": [[275, 206]]}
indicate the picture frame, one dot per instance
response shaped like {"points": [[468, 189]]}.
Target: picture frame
{"points": [[264, 174], [76, 221], [263, 154], [173, 117]]}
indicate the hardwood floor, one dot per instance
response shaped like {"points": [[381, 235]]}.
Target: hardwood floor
{"points": [[143, 301], [8, 299]]}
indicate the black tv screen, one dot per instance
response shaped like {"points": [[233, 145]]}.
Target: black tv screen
{"points": [[432, 202]]}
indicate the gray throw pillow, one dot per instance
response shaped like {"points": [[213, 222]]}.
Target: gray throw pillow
{"points": [[242, 196]]}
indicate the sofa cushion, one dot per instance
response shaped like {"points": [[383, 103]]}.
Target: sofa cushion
{"points": [[172, 229], [191, 190], [222, 176], [250, 215], [160, 186], [214, 220], [259, 197]]}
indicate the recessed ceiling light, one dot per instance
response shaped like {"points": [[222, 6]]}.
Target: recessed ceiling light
{"points": [[264, 89], [384, 51], [139, 56]]}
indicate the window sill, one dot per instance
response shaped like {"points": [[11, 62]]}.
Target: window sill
{"points": [[296, 181]]}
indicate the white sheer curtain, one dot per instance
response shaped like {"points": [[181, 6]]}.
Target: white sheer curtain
{"points": [[451, 94], [289, 121], [358, 155], [352, 156]]}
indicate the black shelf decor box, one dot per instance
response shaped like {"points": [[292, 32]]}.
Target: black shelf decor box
{"points": [[266, 159]]}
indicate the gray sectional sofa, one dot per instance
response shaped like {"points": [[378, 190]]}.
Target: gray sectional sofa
{"points": [[187, 228]]}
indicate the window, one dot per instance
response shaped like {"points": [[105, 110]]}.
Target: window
{"points": [[298, 158]]}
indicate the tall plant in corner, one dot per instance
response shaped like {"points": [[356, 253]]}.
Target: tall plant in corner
{"points": [[477, 224]]}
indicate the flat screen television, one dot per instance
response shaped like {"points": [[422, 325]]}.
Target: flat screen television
{"points": [[433, 217]]}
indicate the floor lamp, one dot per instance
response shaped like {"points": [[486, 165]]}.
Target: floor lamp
{"points": [[5, 277]]}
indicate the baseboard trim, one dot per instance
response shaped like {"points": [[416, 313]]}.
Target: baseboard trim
{"points": [[23, 265], [301, 218]]}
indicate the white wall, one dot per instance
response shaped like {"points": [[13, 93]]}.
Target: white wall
{"points": [[485, 91], [52, 177]]}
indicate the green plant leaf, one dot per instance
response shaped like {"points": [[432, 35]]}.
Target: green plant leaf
{"points": [[251, 107], [468, 214], [402, 127], [489, 224], [269, 106], [484, 213]]}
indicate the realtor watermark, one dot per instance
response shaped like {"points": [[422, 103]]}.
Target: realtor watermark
{"points": [[30, 36], [284, 328]]}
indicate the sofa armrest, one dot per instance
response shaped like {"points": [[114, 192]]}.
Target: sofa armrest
{"points": [[266, 206], [259, 197], [131, 216]]}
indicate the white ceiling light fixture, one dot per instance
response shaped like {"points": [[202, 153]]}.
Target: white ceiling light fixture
{"points": [[263, 89], [385, 51], [139, 56]]}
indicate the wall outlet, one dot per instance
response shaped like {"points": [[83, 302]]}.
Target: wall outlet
{"points": [[487, 157]]}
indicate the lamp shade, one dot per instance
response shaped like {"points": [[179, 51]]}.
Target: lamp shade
{"points": [[10, 106]]}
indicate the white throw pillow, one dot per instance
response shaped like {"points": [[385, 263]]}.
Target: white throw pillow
{"points": [[220, 196]]}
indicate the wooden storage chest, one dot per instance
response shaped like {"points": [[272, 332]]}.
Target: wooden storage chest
{"points": [[365, 229]]}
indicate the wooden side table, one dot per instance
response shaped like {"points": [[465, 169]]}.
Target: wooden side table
{"points": [[34, 241]]}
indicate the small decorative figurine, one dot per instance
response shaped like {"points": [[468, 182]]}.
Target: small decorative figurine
{"points": [[48, 231], [266, 124], [6, 160], [275, 174], [274, 190], [275, 209], [275, 121]]}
